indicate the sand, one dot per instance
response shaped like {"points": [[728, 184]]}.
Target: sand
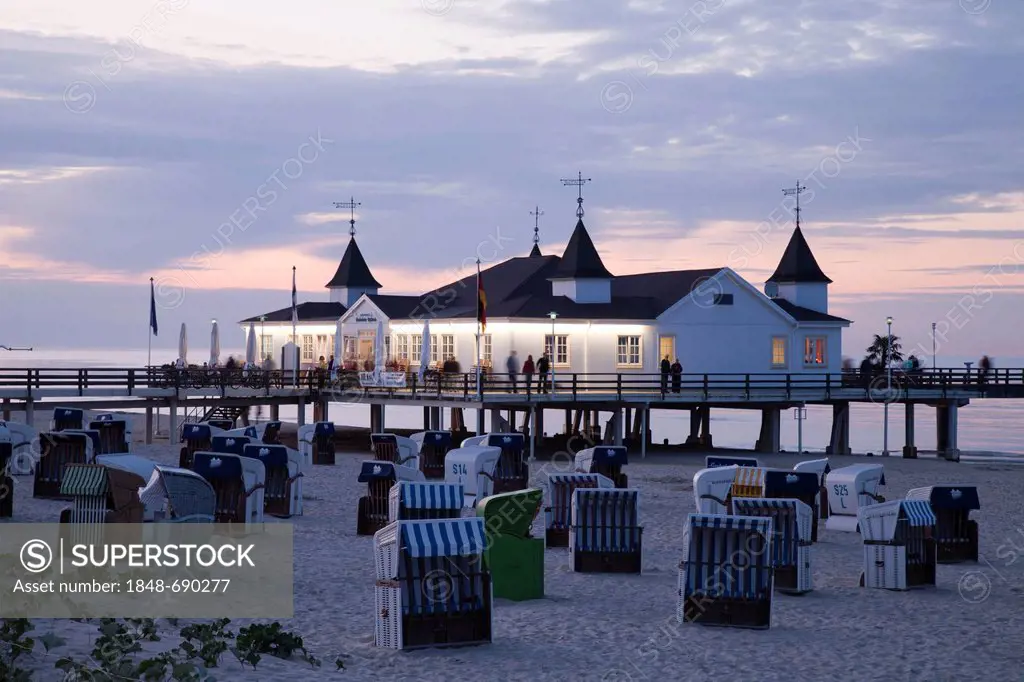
{"points": [[616, 627]]}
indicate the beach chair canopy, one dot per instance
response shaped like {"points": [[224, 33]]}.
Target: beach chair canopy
{"points": [[474, 441], [224, 424], [323, 429], [713, 462], [140, 466], [855, 470], [762, 525], [234, 445], [511, 513], [375, 470], [419, 495], [68, 413], [211, 465], [610, 455], [270, 455], [437, 439], [948, 496], [761, 506], [196, 432], [792, 484], [187, 492], [879, 522], [443, 537], [506, 441], [84, 480]]}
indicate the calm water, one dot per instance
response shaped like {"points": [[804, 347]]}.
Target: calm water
{"points": [[987, 426]]}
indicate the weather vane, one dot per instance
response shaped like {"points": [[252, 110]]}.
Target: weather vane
{"points": [[536, 213], [351, 204], [796, 192], [578, 182]]}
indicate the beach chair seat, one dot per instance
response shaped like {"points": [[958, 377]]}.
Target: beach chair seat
{"points": [[558, 510], [956, 534], [282, 493], [820, 467], [715, 461], [512, 472], [712, 489], [779, 484], [316, 443], [6, 482], [374, 507], [850, 489], [513, 556], [388, 447], [100, 495], [416, 501], [67, 418], [472, 467], [791, 539], [237, 483], [433, 586], [177, 495], [195, 438], [605, 533], [606, 460], [115, 434], [899, 544], [433, 447], [726, 575], [57, 449]]}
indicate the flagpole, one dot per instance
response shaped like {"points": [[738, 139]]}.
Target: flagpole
{"points": [[478, 303], [295, 338], [149, 352]]}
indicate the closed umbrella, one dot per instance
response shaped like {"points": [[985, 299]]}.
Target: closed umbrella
{"points": [[183, 345], [250, 345], [425, 350], [379, 357], [339, 341], [214, 345]]}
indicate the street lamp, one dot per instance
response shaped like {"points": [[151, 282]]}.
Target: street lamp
{"points": [[263, 335], [888, 385], [554, 349], [933, 345]]}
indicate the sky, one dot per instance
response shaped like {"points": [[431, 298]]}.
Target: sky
{"points": [[204, 143]]}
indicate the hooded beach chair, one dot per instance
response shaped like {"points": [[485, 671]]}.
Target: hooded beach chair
{"points": [[67, 418], [24, 448], [388, 447], [417, 500], [794, 485], [605, 533], [850, 489], [100, 495], [899, 544], [715, 461], [316, 443], [513, 556], [237, 483], [433, 587], [374, 507], [712, 488], [433, 447], [956, 534], [606, 460], [558, 510], [196, 438], [140, 466], [57, 449], [222, 424], [6, 482], [229, 445], [176, 495], [282, 493], [820, 467], [726, 575], [472, 467], [791, 539], [270, 433], [512, 472], [115, 434]]}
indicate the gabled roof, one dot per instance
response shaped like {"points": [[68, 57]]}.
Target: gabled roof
{"points": [[313, 311], [580, 259], [801, 314], [353, 271], [798, 263]]}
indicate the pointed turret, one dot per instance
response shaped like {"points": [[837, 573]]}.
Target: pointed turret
{"points": [[535, 252], [798, 278], [581, 275], [353, 277]]}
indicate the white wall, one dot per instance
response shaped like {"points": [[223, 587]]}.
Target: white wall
{"points": [[583, 290], [806, 295], [347, 296]]}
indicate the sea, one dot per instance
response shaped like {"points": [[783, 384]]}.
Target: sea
{"points": [[987, 428]]}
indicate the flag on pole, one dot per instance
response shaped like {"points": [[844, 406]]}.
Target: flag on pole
{"points": [[152, 307], [295, 301], [481, 300]]}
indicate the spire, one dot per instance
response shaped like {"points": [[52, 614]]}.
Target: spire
{"points": [[536, 213], [353, 272], [798, 264], [581, 260]]}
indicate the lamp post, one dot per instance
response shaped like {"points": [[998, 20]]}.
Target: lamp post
{"points": [[888, 385], [263, 335], [933, 345], [554, 349]]}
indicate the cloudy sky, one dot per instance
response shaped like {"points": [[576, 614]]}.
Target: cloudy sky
{"points": [[203, 143]]}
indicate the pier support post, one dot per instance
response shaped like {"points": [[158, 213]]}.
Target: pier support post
{"points": [[839, 442], [946, 432], [325, 410], [770, 440], [149, 426], [910, 449], [705, 427], [30, 412], [531, 420], [426, 419], [7, 409], [480, 416], [435, 418], [172, 423], [694, 437], [275, 413], [618, 420], [495, 421], [568, 422], [301, 421], [645, 417]]}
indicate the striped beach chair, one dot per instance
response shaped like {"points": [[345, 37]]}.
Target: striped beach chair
{"points": [[726, 577], [115, 434], [433, 587], [57, 449], [415, 500], [558, 510], [513, 556], [794, 485], [67, 418], [749, 482], [851, 489], [282, 494], [434, 446], [195, 438], [712, 489], [99, 495], [175, 495], [237, 484], [316, 443], [605, 533], [6, 481], [374, 507], [820, 467], [388, 447], [512, 472], [899, 544], [956, 534], [606, 460], [791, 539]]}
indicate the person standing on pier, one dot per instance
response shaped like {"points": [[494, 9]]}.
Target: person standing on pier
{"points": [[677, 376], [542, 373], [984, 367], [512, 365], [666, 368], [528, 372]]}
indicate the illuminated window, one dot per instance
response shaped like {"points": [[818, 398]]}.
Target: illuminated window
{"points": [[416, 347], [560, 355], [628, 351], [266, 346], [307, 347], [485, 349], [667, 348], [814, 351], [779, 352], [401, 347]]}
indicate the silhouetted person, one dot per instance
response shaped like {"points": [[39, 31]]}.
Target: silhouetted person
{"points": [[512, 366], [542, 373], [528, 370], [984, 367], [666, 368], [677, 376], [866, 370]]}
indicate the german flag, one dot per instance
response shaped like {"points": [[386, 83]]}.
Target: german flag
{"points": [[481, 302]]}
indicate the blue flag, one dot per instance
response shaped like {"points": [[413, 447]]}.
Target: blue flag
{"points": [[152, 307]]}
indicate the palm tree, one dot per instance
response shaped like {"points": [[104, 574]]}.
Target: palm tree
{"points": [[877, 350]]}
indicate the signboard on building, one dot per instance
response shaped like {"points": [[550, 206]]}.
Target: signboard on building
{"points": [[366, 317]]}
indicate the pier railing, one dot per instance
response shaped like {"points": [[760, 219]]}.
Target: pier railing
{"points": [[130, 380]]}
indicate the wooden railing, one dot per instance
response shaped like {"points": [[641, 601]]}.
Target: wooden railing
{"points": [[131, 379]]}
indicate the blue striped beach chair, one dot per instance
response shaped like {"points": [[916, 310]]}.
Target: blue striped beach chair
{"points": [[726, 577], [433, 587], [512, 472], [558, 511], [956, 534], [605, 533], [416, 500], [434, 445], [791, 539], [899, 544], [57, 449], [606, 460], [373, 510], [794, 485]]}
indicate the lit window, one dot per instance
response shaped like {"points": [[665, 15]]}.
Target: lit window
{"points": [[814, 351], [628, 352], [416, 347], [307, 347], [402, 347], [779, 352], [485, 349], [560, 354], [667, 347]]}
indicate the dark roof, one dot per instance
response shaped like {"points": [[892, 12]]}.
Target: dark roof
{"points": [[395, 307], [798, 264], [535, 251], [313, 311], [580, 259], [801, 314], [353, 270]]}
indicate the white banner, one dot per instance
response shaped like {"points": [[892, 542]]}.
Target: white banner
{"points": [[382, 379]]}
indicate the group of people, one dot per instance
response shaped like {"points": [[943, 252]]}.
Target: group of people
{"points": [[675, 369], [541, 368]]}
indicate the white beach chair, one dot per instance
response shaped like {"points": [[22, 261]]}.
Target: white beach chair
{"points": [[558, 510], [712, 488], [605, 534], [25, 448], [474, 441], [956, 534], [850, 489], [419, 500], [820, 467], [178, 495], [606, 460], [140, 466], [791, 541], [433, 586], [473, 468], [899, 545], [238, 484], [388, 447]]}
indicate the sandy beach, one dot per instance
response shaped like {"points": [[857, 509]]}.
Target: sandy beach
{"points": [[616, 627]]}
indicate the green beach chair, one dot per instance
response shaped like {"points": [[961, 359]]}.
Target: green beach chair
{"points": [[514, 558]]}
